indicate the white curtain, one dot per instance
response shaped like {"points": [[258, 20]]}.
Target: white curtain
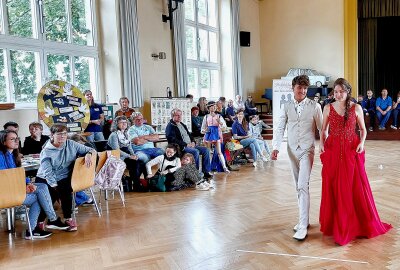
{"points": [[236, 69], [132, 85], [180, 50]]}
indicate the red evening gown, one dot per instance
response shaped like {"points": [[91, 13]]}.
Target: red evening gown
{"points": [[347, 206]]}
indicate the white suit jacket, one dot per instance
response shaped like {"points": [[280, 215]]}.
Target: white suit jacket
{"points": [[301, 130]]}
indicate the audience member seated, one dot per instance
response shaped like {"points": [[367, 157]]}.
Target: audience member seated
{"points": [[240, 132], [177, 132], [125, 109], [329, 99], [360, 99], [13, 126], [196, 122], [167, 164], [37, 195], [383, 107], [219, 108], [230, 114], [119, 140], [192, 103], [223, 103], [250, 107], [143, 137], [202, 107], [395, 111], [368, 105], [96, 119], [238, 104], [56, 164], [255, 129], [33, 144]]}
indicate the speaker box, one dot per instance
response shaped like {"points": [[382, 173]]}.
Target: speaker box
{"points": [[244, 39]]}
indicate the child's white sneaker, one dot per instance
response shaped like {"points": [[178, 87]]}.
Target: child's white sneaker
{"points": [[203, 186]]}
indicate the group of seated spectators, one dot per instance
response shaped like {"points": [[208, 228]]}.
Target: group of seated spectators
{"points": [[180, 162]]}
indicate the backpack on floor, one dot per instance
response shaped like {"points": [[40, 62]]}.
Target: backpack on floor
{"points": [[110, 175]]}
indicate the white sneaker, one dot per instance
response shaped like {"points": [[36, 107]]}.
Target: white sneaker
{"points": [[211, 184], [301, 234], [203, 186], [265, 159], [226, 170], [255, 163]]}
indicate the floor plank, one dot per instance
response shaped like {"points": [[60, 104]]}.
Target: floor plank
{"points": [[254, 210]]}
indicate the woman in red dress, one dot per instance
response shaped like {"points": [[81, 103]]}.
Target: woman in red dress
{"points": [[347, 206]]}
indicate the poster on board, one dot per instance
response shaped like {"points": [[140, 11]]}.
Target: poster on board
{"points": [[282, 93], [62, 102], [161, 112]]}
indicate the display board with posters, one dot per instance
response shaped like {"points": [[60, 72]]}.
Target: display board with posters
{"points": [[161, 112], [282, 93], [62, 102]]}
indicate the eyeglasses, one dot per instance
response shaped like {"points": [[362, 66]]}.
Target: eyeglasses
{"points": [[61, 134], [16, 139]]}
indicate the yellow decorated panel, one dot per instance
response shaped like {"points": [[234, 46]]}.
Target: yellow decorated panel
{"points": [[61, 102]]}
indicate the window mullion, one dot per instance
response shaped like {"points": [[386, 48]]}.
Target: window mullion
{"points": [[9, 83], [69, 20], [5, 16], [72, 69]]}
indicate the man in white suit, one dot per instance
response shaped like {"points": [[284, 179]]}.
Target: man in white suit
{"points": [[301, 116]]}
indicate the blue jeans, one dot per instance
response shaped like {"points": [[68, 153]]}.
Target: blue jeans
{"points": [[145, 155], [395, 115], [382, 119], [32, 202], [95, 136], [254, 146], [205, 154], [264, 145]]}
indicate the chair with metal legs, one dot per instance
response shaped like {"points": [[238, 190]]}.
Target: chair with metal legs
{"points": [[83, 178], [13, 194]]}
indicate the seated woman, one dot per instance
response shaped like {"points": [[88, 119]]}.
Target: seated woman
{"points": [[37, 195], [167, 164], [56, 164], [33, 144], [119, 140], [196, 122], [240, 132]]}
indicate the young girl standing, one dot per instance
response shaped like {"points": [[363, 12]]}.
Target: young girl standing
{"points": [[212, 126]]}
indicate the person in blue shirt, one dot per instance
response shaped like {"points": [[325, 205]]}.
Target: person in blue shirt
{"points": [[37, 195], [395, 111], [368, 105], [383, 107], [96, 119]]}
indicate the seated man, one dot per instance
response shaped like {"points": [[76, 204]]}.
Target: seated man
{"points": [[125, 110], [383, 107], [177, 132], [250, 107], [368, 105], [395, 111], [230, 114], [33, 144], [142, 138]]}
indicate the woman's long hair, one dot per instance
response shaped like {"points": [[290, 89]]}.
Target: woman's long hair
{"points": [[3, 148], [244, 123], [346, 86]]}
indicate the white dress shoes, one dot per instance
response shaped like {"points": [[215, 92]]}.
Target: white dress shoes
{"points": [[300, 234], [296, 227]]}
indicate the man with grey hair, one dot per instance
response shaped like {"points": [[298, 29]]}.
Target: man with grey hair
{"points": [[143, 138], [177, 132]]}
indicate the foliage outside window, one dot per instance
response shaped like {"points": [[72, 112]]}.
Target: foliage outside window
{"points": [[46, 40], [202, 47]]}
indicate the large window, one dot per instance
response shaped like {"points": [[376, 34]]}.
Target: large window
{"points": [[202, 47], [46, 40]]}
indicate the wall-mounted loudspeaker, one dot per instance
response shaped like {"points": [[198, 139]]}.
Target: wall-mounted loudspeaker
{"points": [[244, 39]]}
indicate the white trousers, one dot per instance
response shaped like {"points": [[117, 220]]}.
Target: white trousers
{"points": [[301, 161]]}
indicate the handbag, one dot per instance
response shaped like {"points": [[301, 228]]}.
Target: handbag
{"points": [[157, 182]]}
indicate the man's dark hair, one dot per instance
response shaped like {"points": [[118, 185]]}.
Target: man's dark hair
{"points": [[302, 80], [10, 124]]}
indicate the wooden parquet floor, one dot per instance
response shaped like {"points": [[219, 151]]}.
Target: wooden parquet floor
{"points": [[253, 210]]}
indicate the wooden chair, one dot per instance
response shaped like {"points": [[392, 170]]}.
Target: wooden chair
{"points": [[13, 191], [83, 178], [102, 159]]}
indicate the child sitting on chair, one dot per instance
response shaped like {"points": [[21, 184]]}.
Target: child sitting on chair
{"points": [[255, 129], [188, 175]]}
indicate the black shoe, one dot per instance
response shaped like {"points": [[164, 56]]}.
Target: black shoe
{"points": [[37, 234], [57, 225], [88, 203], [208, 175]]}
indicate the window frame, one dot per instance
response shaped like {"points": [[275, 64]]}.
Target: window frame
{"points": [[43, 47], [199, 64]]}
